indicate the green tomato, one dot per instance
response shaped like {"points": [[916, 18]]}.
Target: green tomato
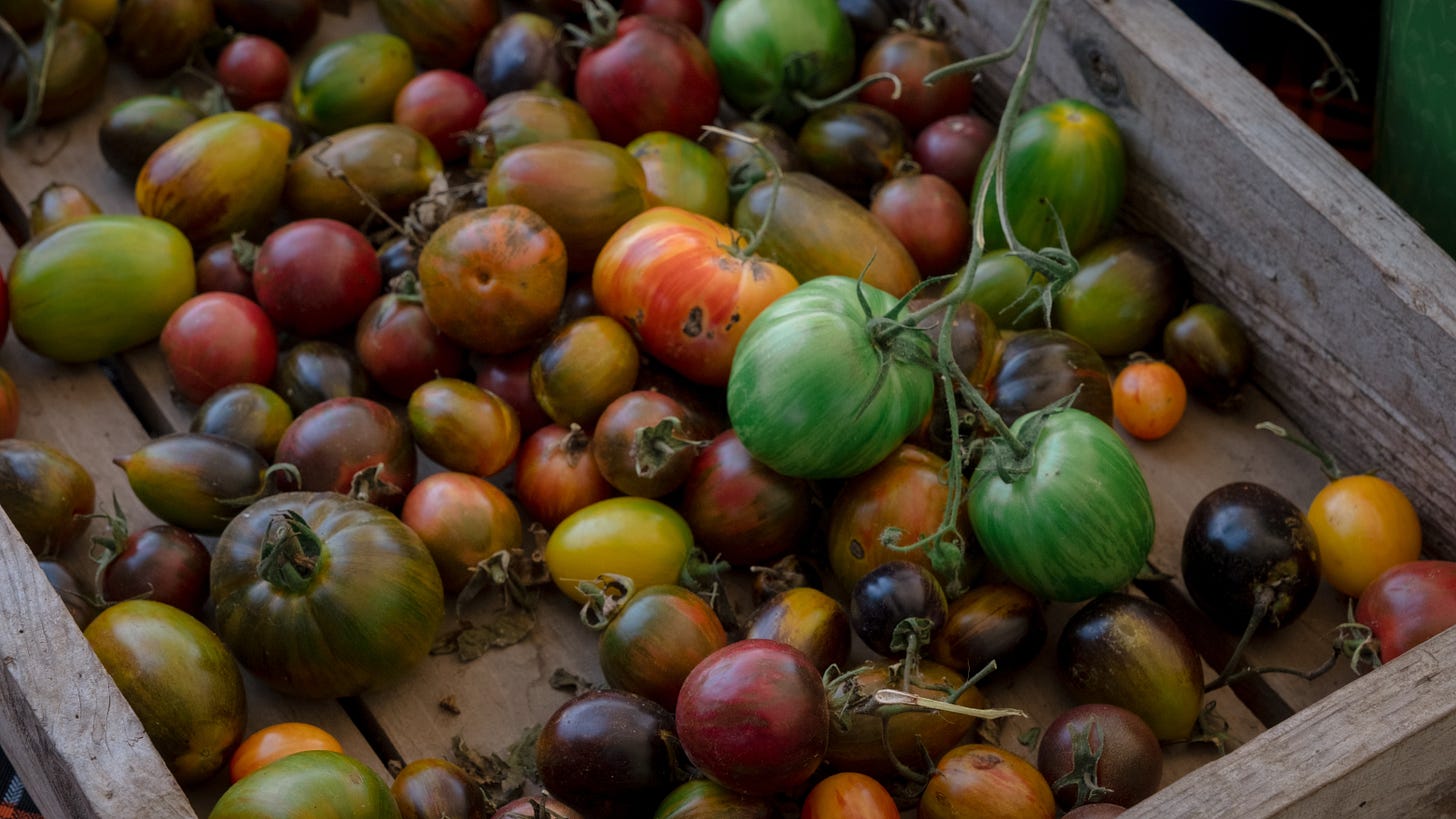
{"points": [[766, 51], [1127, 289], [1069, 153], [352, 81], [814, 393], [1007, 289], [1077, 521], [99, 285], [309, 783]]}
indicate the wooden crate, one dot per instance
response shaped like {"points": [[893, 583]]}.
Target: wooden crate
{"points": [[1273, 224]]}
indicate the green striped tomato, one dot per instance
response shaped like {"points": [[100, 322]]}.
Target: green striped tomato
{"points": [[814, 394], [1079, 522], [767, 51]]}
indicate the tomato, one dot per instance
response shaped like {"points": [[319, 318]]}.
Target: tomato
{"points": [[986, 782], [520, 53], [1039, 367], [1073, 518], [1069, 153], [252, 70], [675, 280], [585, 367], [309, 782], [952, 148], [523, 118], [1208, 347], [216, 340], [767, 52], [556, 474], [1130, 652], [433, 788], [324, 596], [1364, 526], [352, 446], [316, 276], [739, 509], [814, 393], [77, 602], [194, 480], [271, 743], [1121, 762], [509, 377], [853, 146], [158, 36], [849, 795], [656, 639], [443, 106], [907, 492], [179, 679], [890, 594], [99, 285], [162, 563], [74, 79], [220, 268], [753, 717], [1408, 604], [930, 219], [807, 619], [645, 443], [746, 166], [9, 401], [389, 162], [687, 12], [400, 348], [463, 427], [59, 203], [910, 55], [1148, 399], [463, 520], [993, 621], [705, 799], [290, 23], [45, 493], [493, 279], [636, 538], [352, 81], [134, 129], [312, 372], [609, 754], [682, 173], [1126, 290], [440, 33], [1008, 290], [646, 73]]}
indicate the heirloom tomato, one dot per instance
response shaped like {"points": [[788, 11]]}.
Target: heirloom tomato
{"points": [[521, 52], [682, 173], [656, 639], [250, 414], [252, 70], [994, 621], [316, 276], [952, 149], [435, 788], [312, 372], [853, 146], [193, 480], [807, 619], [1408, 604], [387, 161], [1126, 290], [220, 268], [59, 203], [645, 442], [1364, 525], [276, 741], [309, 783], [523, 118], [636, 538], [440, 33], [585, 367], [768, 53], [400, 348], [162, 563], [509, 376], [986, 782], [818, 389], [609, 754], [462, 520], [443, 106], [320, 595], [216, 340], [929, 217], [849, 795], [740, 510], [463, 427], [1064, 511], [890, 594], [1122, 760], [1148, 399], [678, 281], [352, 81], [45, 493], [1209, 348], [911, 55], [137, 127], [556, 474], [159, 36], [352, 446], [1039, 367], [9, 396]]}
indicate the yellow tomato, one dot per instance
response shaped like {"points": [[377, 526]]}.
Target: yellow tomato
{"points": [[277, 741], [634, 537], [1364, 525]]}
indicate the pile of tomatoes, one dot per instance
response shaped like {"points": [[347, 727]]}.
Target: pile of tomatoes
{"points": [[698, 288]]}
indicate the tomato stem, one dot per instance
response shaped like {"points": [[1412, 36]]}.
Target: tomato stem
{"points": [[889, 696], [809, 103], [291, 553], [36, 75], [1327, 461], [776, 173], [1263, 599], [605, 596]]}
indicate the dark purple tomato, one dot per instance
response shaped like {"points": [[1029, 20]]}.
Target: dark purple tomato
{"points": [[996, 621], [443, 106], [250, 414], [807, 619], [888, 595], [164, 563], [397, 257], [739, 509], [952, 148], [434, 788], [1249, 552], [645, 442], [929, 217], [290, 23], [1208, 347], [352, 446], [1038, 367], [754, 717], [655, 641], [1100, 753], [312, 372], [650, 74], [316, 276], [252, 70], [853, 146], [608, 754], [522, 52], [220, 269], [910, 55], [400, 349]]}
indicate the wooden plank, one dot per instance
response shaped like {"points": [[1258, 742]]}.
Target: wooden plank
{"points": [[1379, 747], [1352, 308]]}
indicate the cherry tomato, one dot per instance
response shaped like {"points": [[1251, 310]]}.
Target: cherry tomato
{"points": [[252, 70], [741, 510], [657, 638], [849, 795], [399, 347], [316, 276], [929, 216], [435, 788], [1364, 525], [443, 106], [352, 446], [274, 742], [216, 340], [1148, 399], [463, 520], [910, 55], [634, 537], [645, 443], [463, 427], [1409, 604], [585, 367], [556, 474], [952, 148], [219, 268], [164, 563]]}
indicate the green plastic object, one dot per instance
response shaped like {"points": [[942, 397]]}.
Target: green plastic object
{"points": [[1415, 143]]}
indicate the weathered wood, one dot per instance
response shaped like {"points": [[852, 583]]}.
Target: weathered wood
{"points": [[1380, 746], [1352, 308]]}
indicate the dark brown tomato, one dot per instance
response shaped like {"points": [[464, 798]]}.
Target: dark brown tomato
{"points": [[910, 55], [986, 781], [1106, 753], [463, 427], [45, 493], [995, 621], [77, 603], [586, 366], [221, 269], [57, 204], [216, 340], [164, 563], [440, 33], [608, 753], [444, 106], [401, 349], [657, 639], [807, 619], [1038, 367], [316, 276], [522, 52], [930, 219], [556, 475], [890, 594], [854, 146], [645, 443], [433, 788], [745, 166], [739, 509], [253, 70], [312, 372], [462, 520], [1209, 348], [158, 36], [509, 376], [290, 23], [332, 443], [250, 414], [649, 74], [952, 148]]}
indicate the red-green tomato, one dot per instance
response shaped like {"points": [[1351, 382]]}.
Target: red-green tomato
{"points": [[1078, 521], [814, 392], [637, 538]]}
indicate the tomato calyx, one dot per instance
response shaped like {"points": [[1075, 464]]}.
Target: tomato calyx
{"points": [[1083, 774], [605, 596], [601, 27], [245, 253], [272, 481], [291, 553], [368, 486], [654, 447], [703, 575], [108, 547]]}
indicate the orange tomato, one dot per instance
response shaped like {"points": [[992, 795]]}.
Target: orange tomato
{"points": [[277, 741], [1148, 399], [849, 795], [1364, 525]]}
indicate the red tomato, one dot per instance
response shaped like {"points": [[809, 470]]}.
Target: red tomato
{"points": [[400, 348], [1148, 399], [952, 148], [316, 276], [739, 509], [849, 795], [277, 741], [252, 70], [1409, 604], [687, 12], [215, 340], [463, 520], [910, 55], [929, 217], [352, 446], [443, 106], [670, 277], [218, 268], [556, 474], [649, 74], [164, 563]]}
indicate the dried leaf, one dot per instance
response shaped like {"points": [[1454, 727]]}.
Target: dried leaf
{"points": [[570, 682], [521, 758], [449, 706], [503, 628]]}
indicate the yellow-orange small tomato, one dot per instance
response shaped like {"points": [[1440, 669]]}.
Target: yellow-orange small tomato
{"points": [[277, 741], [849, 795], [1148, 399], [1364, 525]]}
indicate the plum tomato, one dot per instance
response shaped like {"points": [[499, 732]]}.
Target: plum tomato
{"points": [[273, 742], [463, 427], [432, 788], [216, 340], [1148, 399], [462, 520], [1364, 526], [443, 106], [1408, 604], [556, 475], [637, 538], [316, 276]]}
